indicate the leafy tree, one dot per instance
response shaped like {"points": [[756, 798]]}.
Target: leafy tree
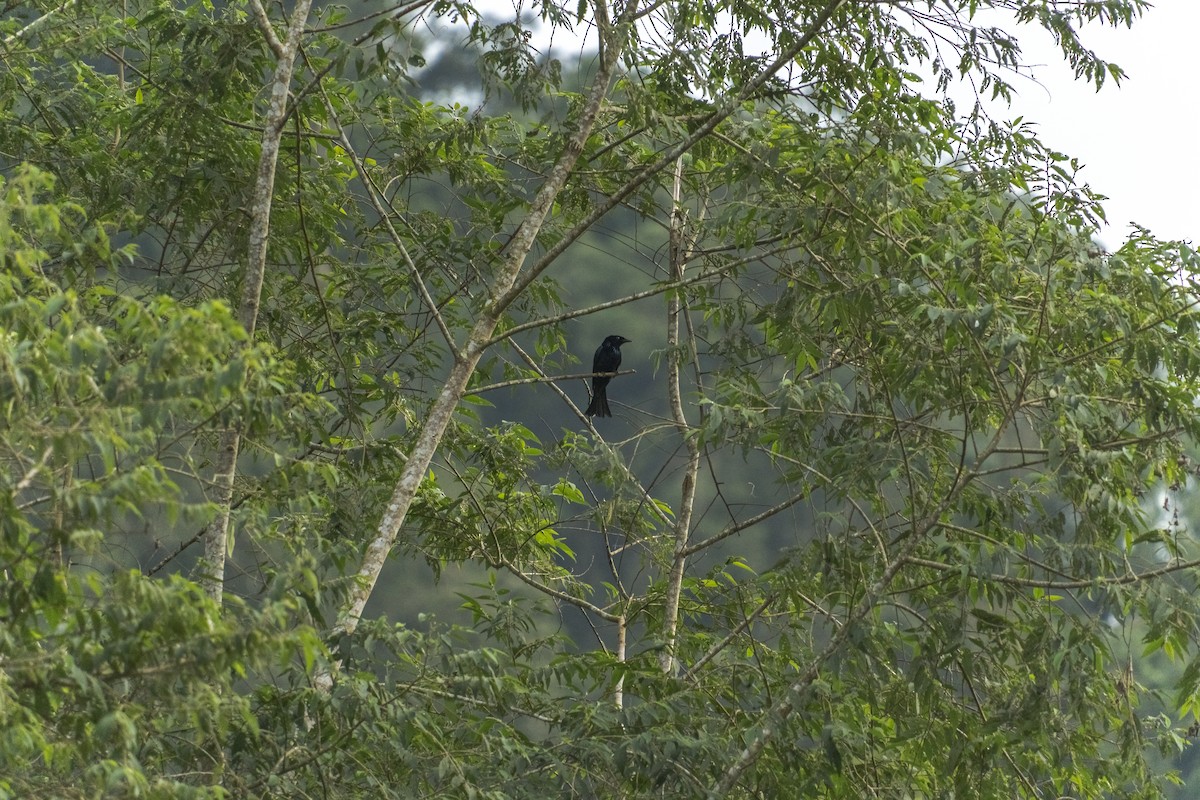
{"points": [[879, 522]]}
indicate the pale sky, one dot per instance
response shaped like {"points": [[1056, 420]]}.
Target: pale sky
{"points": [[1140, 141]]}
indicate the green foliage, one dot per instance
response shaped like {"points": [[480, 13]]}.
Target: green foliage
{"points": [[114, 683], [878, 514]]}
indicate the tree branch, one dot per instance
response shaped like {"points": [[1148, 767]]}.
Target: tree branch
{"points": [[1065, 585], [683, 521], [444, 405], [726, 108], [216, 543], [491, 387]]}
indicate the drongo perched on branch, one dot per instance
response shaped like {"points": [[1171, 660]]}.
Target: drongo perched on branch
{"points": [[607, 359]]}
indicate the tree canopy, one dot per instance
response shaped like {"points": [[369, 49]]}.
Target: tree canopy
{"points": [[300, 498]]}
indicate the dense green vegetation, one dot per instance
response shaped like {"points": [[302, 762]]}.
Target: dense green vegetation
{"points": [[298, 495]]}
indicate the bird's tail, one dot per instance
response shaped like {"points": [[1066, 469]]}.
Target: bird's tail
{"points": [[599, 405]]}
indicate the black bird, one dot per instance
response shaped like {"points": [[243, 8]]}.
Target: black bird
{"points": [[607, 359]]}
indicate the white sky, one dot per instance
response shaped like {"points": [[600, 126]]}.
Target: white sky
{"points": [[1140, 141]]}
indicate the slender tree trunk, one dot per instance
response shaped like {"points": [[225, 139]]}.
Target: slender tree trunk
{"points": [[622, 643], [216, 540], [683, 520], [444, 405]]}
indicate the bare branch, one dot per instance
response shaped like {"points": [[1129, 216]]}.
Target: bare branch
{"points": [[374, 196], [491, 387], [1066, 585]]}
